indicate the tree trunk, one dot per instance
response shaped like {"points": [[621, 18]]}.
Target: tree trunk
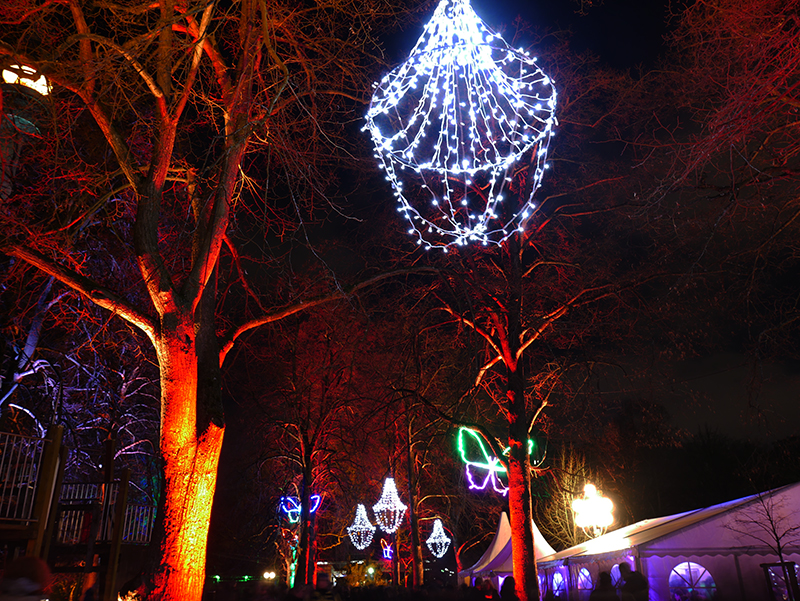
{"points": [[519, 466], [305, 567], [520, 510], [190, 466], [418, 568]]}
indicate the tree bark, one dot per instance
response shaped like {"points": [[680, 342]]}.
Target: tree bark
{"points": [[190, 465], [521, 511], [519, 466], [418, 568]]}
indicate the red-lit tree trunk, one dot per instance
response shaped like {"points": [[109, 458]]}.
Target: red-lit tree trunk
{"points": [[519, 491], [417, 567], [519, 466], [306, 562], [190, 456], [510, 329]]}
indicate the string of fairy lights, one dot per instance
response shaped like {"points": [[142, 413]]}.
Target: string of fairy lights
{"points": [[453, 119]]}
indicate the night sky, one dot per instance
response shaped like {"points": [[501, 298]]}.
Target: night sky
{"points": [[714, 392]]}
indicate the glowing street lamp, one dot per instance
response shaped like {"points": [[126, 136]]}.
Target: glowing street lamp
{"points": [[593, 512]]}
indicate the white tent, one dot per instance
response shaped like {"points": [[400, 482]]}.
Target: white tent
{"points": [[496, 562], [720, 552]]}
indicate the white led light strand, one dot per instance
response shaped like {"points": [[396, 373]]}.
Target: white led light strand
{"points": [[438, 542], [452, 119], [389, 510], [361, 531]]}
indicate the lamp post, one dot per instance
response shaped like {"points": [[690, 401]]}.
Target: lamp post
{"points": [[593, 512]]}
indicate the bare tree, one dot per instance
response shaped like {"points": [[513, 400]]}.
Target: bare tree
{"points": [[132, 196], [767, 521], [568, 473]]}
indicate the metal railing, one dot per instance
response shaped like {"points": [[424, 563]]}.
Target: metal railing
{"points": [[20, 460], [82, 504]]}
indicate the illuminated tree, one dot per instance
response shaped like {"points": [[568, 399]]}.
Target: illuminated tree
{"points": [[766, 521], [64, 363], [556, 519], [462, 131], [133, 196], [717, 138]]}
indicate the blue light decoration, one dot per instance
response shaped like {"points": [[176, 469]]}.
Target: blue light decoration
{"points": [[453, 119], [482, 467], [292, 509], [387, 549]]}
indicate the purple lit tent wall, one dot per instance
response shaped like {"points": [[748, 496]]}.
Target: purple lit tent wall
{"points": [[496, 562], [724, 552]]}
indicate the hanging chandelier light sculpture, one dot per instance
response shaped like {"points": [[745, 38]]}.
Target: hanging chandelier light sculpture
{"points": [[361, 531], [438, 542], [453, 120], [389, 510]]}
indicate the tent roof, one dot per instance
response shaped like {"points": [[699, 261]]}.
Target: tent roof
{"points": [[648, 531], [502, 538], [497, 557]]}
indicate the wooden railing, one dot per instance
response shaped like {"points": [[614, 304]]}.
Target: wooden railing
{"points": [[20, 462], [87, 511]]}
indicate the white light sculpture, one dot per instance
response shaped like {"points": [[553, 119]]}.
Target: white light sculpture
{"points": [[389, 510], [593, 511], [361, 531], [438, 542], [453, 119]]}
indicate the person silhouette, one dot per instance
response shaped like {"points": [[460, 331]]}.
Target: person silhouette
{"points": [[635, 587], [605, 590]]}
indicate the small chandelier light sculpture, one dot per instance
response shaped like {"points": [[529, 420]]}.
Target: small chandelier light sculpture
{"points": [[389, 510], [593, 511], [438, 542], [453, 119], [361, 531]]}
